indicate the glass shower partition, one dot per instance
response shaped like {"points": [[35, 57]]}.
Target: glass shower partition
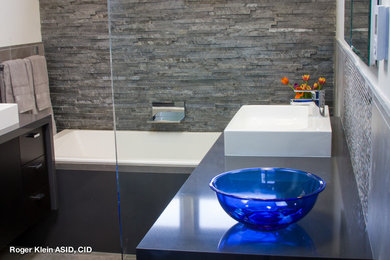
{"points": [[146, 183]]}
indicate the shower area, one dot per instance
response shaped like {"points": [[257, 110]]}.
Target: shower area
{"points": [[142, 89]]}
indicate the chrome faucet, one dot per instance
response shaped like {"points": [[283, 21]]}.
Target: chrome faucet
{"points": [[167, 112], [317, 96], [320, 101]]}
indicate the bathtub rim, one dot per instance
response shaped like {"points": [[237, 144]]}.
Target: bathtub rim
{"points": [[124, 168]]}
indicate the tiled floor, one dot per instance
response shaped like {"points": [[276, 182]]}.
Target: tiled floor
{"points": [[91, 256]]}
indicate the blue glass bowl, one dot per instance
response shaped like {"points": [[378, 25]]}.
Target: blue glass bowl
{"points": [[267, 198]]}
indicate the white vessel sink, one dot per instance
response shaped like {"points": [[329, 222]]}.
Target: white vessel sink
{"points": [[279, 130], [9, 115]]}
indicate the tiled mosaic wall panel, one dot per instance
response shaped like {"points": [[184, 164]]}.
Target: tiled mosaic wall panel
{"points": [[356, 118], [214, 55], [366, 121], [75, 36]]}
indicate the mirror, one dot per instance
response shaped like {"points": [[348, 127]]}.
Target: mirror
{"points": [[347, 21], [357, 27]]}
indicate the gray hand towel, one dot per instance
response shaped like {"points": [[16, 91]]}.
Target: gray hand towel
{"points": [[7, 93], [2, 85], [19, 85], [40, 80]]}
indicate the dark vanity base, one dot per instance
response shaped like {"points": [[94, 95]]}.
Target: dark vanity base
{"points": [[27, 179]]}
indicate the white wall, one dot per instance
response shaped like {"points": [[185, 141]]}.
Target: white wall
{"points": [[379, 77], [340, 19], [20, 22]]}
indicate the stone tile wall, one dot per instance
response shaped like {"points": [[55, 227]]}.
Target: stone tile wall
{"points": [[213, 55], [76, 40]]}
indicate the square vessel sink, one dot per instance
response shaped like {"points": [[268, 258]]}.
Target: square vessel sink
{"points": [[9, 115], [279, 130]]}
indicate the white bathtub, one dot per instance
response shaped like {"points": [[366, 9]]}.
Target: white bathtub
{"points": [[95, 149]]}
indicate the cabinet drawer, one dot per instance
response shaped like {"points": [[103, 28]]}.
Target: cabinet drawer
{"points": [[35, 175], [37, 205], [36, 189], [31, 145]]}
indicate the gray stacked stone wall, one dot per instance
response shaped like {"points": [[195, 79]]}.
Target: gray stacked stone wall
{"points": [[213, 55], [76, 40]]}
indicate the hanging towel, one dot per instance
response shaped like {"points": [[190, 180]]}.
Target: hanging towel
{"points": [[38, 67], [40, 81], [19, 85], [2, 85], [7, 95]]}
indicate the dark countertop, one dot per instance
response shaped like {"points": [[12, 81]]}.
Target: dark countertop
{"points": [[194, 225]]}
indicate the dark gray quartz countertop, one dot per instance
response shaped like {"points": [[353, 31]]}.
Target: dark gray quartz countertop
{"points": [[194, 226]]}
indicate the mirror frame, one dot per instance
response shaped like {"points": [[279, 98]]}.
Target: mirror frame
{"points": [[365, 53]]}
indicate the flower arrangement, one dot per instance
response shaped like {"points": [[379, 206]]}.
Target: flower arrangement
{"points": [[304, 86]]}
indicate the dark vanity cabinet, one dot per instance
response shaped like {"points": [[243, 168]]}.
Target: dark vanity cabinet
{"points": [[27, 179], [35, 179], [11, 192]]}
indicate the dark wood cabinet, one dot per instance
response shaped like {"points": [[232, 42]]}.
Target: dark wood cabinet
{"points": [[11, 192], [26, 179], [36, 193], [32, 145]]}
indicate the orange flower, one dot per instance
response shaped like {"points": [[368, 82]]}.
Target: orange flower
{"points": [[304, 86], [285, 81], [299, 94], [321, 81], [306, 77], [315, 85]]}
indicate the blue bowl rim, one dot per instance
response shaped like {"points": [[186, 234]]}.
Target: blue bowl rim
{"points": [[315, 193]]}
